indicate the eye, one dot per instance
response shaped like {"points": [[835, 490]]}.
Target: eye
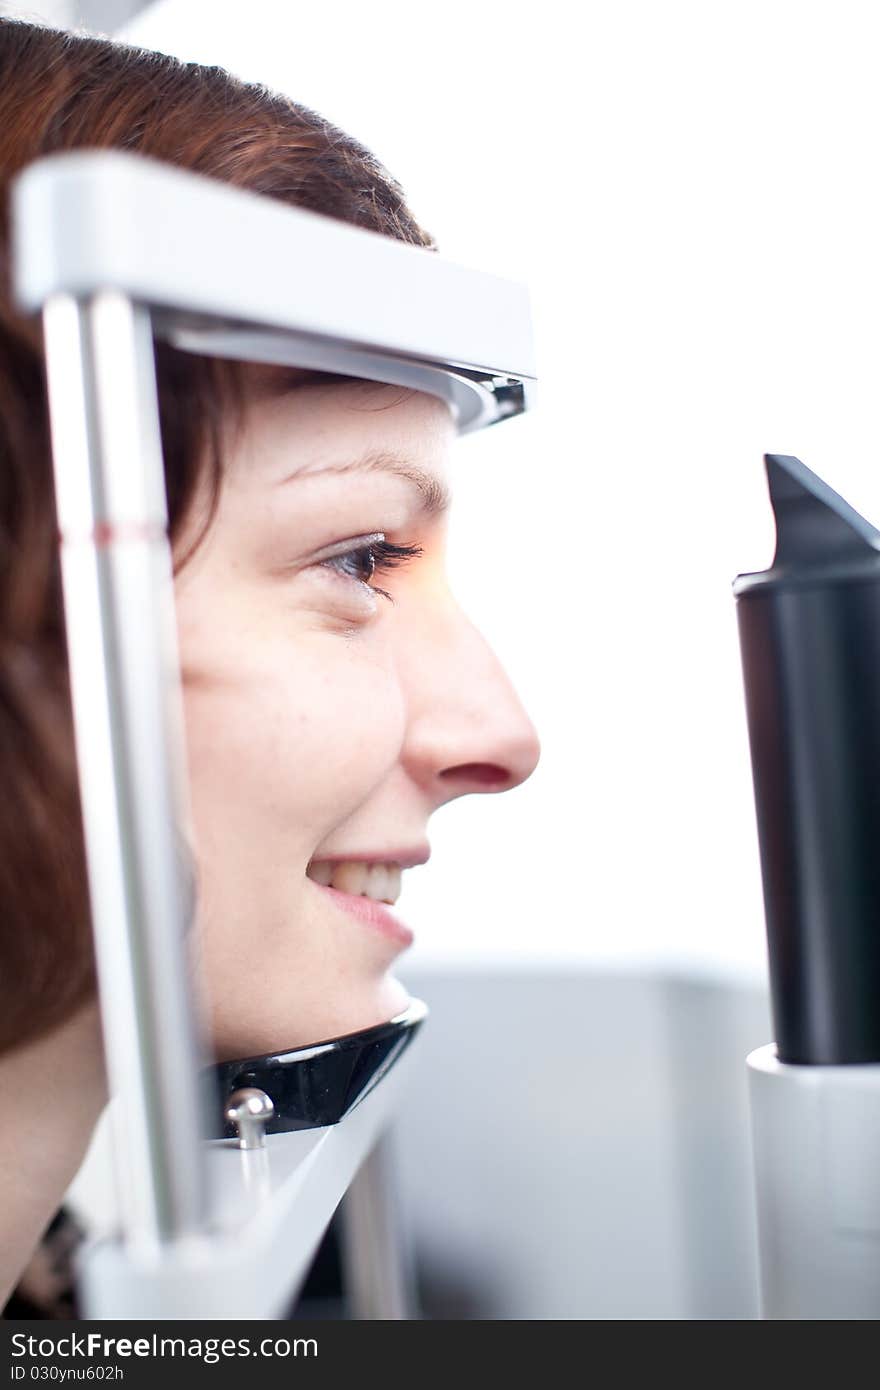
{"points": [[369, 556]]}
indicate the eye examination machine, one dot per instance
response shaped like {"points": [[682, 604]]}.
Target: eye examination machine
{"points": [[227, 1174]]}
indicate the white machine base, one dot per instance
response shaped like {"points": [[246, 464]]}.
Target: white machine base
{"points": [[816, 1141]]}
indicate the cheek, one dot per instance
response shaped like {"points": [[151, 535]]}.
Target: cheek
{"points": [[284, 750]]}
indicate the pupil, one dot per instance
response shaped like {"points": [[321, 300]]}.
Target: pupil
{"points": [[368, 564]]}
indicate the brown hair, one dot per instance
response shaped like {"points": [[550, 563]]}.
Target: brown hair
{"points": [[60, 91]]}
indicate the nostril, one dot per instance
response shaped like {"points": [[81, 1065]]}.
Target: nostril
{"points": [[484, 774]]}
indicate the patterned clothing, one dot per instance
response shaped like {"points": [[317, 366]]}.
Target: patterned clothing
{"points": [[46, 1287]]}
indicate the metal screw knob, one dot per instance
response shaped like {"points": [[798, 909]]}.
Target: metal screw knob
{"points": [[249, 1109]]}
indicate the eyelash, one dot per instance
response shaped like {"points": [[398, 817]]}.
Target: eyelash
{"points": [[383, 556]]}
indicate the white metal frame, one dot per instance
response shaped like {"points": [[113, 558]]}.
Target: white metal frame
{"points": [[114, 249]]}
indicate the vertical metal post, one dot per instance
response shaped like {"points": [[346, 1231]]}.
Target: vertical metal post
{"points": [[128, 720], [375, 1257]]}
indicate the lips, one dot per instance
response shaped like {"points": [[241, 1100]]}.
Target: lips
{"points": [[370, 913], [365, 885]]}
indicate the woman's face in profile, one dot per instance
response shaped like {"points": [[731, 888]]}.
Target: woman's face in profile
{"points": [[326, 722]]}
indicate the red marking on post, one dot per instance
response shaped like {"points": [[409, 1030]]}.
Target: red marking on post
{"points": [[104, 533]]}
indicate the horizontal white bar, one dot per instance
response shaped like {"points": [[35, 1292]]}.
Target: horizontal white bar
{"points": [[175, 240]]}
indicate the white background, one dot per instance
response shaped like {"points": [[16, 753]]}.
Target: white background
{"points": [[690, 191]]}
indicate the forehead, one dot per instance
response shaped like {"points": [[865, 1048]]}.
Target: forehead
{"points": [[315, 427]]}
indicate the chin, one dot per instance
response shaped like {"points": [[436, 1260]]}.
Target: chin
{"points": [[240, 1037]]}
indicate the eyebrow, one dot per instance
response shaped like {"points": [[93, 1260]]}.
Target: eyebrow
{"points": [[435, 497]]}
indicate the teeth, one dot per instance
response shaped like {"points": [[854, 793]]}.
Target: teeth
{"points": [[378, 881], [321, 873]]}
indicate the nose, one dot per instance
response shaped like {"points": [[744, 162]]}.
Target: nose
{"points": [[467, 730]]}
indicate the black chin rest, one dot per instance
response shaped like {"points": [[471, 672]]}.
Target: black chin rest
{"points": [[313, 1086]]}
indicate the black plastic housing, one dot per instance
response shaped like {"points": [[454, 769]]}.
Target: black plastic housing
{"points": [[810, 640]]}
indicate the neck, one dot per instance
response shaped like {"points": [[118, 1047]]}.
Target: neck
{"points": [[52, 1092]]}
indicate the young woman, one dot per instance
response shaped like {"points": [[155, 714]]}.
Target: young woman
{"points": [[335, 694]]}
